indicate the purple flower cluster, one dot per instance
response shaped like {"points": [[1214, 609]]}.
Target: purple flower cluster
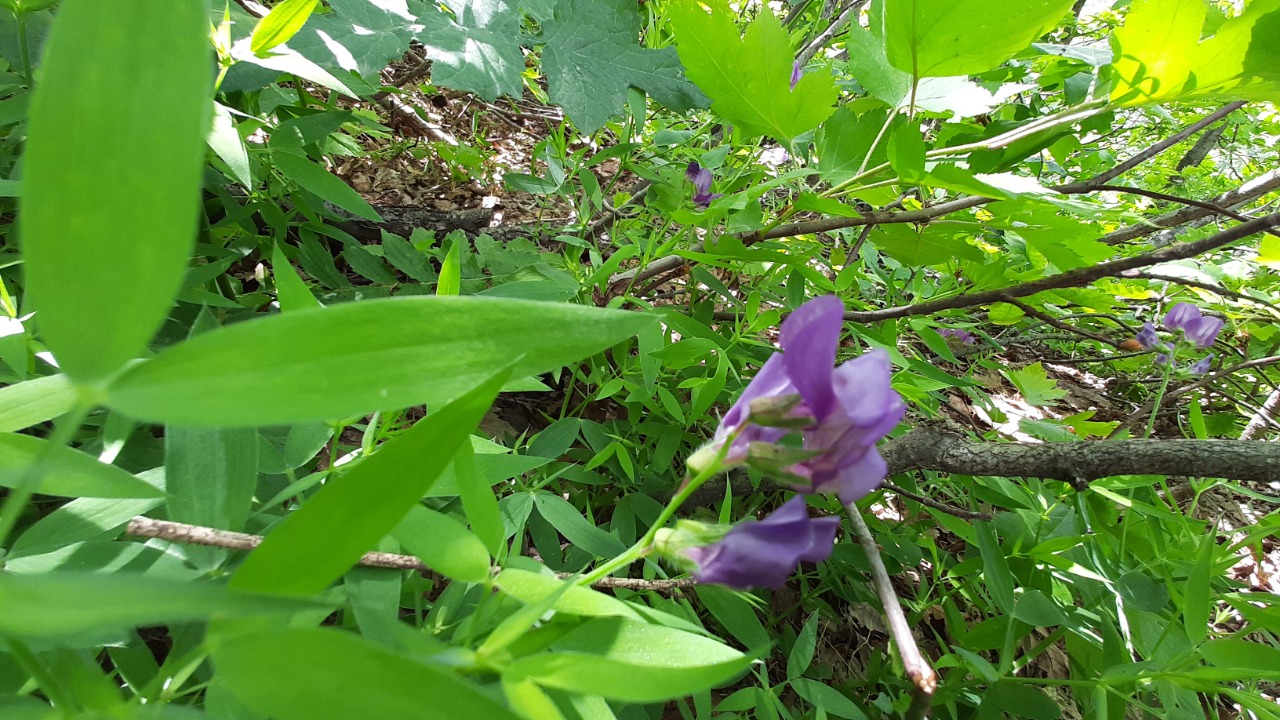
{"points": [[701, 179], [962, 336], [840, 412], [1195, 328]]}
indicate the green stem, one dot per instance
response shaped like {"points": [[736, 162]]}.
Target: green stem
{"points": [[1164, 386], [638, 550], [64, 429], [23, 50]]}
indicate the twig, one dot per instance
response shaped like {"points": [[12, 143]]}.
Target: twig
{"points": [[1049, 319], [1269, 410], [939, 506], [1215, 209], [1247, 192], [212, 537], [850, 10], [1216, 289], [1073, 278], [918, 669]]}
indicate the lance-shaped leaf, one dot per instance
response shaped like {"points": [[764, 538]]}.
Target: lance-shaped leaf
{"points": [[106, 234], [360, 357]]}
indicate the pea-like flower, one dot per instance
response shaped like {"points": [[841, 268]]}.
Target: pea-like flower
{"points": [[962, 336], [841, 412], [701, 179], [1146, 337], [1202, 365], [796, 73], [764, 553], [1201, 330]]}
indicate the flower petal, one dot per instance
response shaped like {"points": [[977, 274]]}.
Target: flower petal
{"points": [[861, 478], [808, 338], [765, 553], [1180, 315], [1203, 331]]}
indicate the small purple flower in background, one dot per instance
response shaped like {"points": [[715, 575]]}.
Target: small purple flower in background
{"points": [[1202, 330], [1146, 337], [701, 179], [796, 72], [1202, 365], [764, 553], [963, 336], [846, 409]]}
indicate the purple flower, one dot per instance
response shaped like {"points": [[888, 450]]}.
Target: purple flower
{"points": [[795, 73], [1202, 330], [1147, 336], [701, 179], [1202, 365], [843, 411], [963, 336], [764, 553]]}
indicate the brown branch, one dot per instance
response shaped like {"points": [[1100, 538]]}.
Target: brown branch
{"points": [[1216, 289], [917, 667], [1049, 319], [1208, 206], [212, 537], [1078, 463], [939, 506], [1270, 409], [1073, 278], [1247, 192]]}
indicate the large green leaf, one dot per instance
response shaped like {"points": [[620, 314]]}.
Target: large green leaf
{"points": [[321, 674], [211, 475], [845, 140], [932, 244], [360, 357], [68, 472], [111, 175], [591, 58], [748, 77], [477, 49], [66, 604], [632, 661], [1241, 60], [932, 38], [34, 401], [1154, 49], [283, 22], [327, 535]]}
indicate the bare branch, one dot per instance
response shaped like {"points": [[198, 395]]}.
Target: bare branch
{"points": [[1078, 463], [918, 669], [1247, 192], [1145, 410]]}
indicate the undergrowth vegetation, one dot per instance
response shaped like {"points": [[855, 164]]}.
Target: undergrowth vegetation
{"points": [[667, 359]]}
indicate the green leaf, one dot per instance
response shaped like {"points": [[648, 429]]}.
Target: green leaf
{"points": [[93, 153], [1242, 59], [1238, 653], [211, 475], [298, 367], [478, 49], [1196, 604], [995, 569], [530, 587], [801, 654], [227, 144], [748, 78], [69, 473], [281, 24], [1154, 49], [478, 501], [591, 58], [578, 530], [326, 185], [1036, 386], [1005, 314], [933, 38], [321, 674], [520, 622], [934, 243], [871, 67], [907, 152], [444, 544], [85, 519], [828, 699], [69, 604], [1022, 701], [359, 36], [406, 258], [34, 401], [736, 615], [1034, 609], [303, 554], [845, 140], [291, 292], [631, 661], [450, 282]]}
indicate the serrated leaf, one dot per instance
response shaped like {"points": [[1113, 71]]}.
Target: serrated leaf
{"points": [[477, 49], [748, 77], [94, 150], [1153, 50], [591, 58], [931, 244], [1036, 386], [359, 36], [931, 38], [845, 140]]}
